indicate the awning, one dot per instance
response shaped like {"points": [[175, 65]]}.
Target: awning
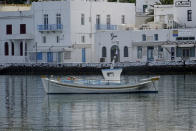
{"points": [[186, 45], [169, 45]]}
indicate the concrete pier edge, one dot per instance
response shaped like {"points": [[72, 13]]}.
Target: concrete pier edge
{"points": [[149, 68]]}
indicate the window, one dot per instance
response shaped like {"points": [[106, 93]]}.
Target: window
{"points": [[57, 39], [45, 21], [21, 49], [185, 38], [12, 49], [126, 51], [189, 15], [191, 38], [9, 29], [22, 28], [82, 19], [44, 39], [6, 49], [143, 37], [58, 21], [98, 22], [83, 39], [156, 37], [108, 21], [104, 52], [139, 52], [123, 19]]}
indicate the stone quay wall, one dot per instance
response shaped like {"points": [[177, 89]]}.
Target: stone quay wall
{"points": [[149, 68]]}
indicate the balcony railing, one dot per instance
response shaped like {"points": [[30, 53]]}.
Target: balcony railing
{"points": [[50, 27], [106, 27]]}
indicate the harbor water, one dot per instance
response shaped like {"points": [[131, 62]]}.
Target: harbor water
{"points": [[24, 106]]}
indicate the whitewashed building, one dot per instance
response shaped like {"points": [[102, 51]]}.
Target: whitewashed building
{"points": [[175, 41], [16, 36], [92, 30], [66, 29], [63, 31]]}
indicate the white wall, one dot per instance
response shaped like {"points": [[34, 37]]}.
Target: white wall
{"points": [[162, 13], [181, 14], [133, 39], [15, 19], [103, 39]]}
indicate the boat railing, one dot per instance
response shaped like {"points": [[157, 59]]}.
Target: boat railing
{"points": [[77, 80]]}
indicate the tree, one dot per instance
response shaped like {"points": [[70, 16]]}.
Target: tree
{"points": [[16, 1], [126, 1], [165, 2]]}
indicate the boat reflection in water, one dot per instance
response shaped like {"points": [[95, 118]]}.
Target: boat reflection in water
{"points": [[102, 111]]}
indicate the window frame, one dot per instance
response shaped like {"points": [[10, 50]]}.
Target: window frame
{"points": [[22, 28], [9, 29], [82, 19], [126, 51], [189, 15]]}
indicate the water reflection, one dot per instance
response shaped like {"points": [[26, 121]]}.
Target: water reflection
{"points": [[25, 106], [88, 112]]}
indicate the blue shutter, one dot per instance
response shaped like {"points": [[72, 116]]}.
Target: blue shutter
{"points": [[178, 52], [39, 56], [50, 56], [83, 55], [192, 50]]}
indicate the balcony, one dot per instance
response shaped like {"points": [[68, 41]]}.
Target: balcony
{"points": [[106, 27], [50, 27], [20, 37]]}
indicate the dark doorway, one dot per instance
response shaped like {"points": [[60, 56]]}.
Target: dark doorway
{"points": [[6, 49], [115, 51], [21, 49]]}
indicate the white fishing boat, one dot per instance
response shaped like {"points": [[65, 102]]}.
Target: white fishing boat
{"points": [[74, 85]]}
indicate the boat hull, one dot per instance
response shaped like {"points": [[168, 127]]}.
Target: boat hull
{"points": [[56, 87]]}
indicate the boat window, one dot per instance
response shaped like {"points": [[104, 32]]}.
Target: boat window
{"points": [[110, 74]]}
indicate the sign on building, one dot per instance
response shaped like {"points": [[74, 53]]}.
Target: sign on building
{"points": [[183, 4], [175, 33]]}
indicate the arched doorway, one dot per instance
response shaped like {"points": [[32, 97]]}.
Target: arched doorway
{"points": [[12, 48], [6, 49], [21, 49], [115, 51]]}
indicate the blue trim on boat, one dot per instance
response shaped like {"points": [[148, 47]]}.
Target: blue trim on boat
{"points": [[111, 69], [133, 92]]}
